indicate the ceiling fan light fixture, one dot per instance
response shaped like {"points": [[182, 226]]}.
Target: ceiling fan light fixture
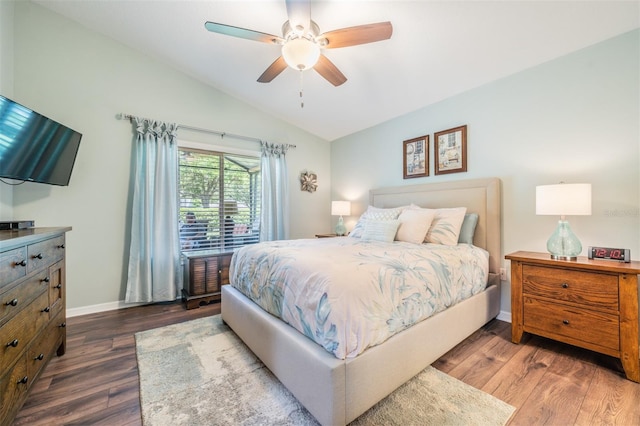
{"points": [[301, 53]]}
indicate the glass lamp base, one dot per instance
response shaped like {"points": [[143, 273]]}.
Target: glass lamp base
{"points": [[340, 228], [563, 243]]}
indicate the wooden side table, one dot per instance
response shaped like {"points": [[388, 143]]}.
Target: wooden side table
{"points": [[205, 272], [588, 303]]}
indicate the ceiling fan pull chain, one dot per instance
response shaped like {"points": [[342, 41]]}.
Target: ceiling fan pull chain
{"points": [[301, 98]]}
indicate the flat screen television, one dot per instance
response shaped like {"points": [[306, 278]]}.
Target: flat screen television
{"points": [[33, 147]]}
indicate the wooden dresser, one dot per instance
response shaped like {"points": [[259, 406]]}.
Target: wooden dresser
{"points": [[592, 304], [205, 272], [32, 310]]}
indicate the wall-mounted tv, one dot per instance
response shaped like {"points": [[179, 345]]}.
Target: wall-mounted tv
{"points": [[33, 147]]}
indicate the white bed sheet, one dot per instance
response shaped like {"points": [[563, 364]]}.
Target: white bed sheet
{"points": [[347, 294]]}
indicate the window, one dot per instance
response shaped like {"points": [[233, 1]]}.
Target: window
{"points": [[219, 199]]}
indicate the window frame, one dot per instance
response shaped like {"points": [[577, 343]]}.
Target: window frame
{"points": [[219, 150]]}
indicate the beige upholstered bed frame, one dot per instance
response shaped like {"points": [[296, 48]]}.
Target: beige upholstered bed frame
{"points": [[337, 391]]}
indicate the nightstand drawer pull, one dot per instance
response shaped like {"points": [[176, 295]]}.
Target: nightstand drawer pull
{"points": [[39, 357], [13, 343], [13, 302], [565, 285], [565, 322], [23, 381]]}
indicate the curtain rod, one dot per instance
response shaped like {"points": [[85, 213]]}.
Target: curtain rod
{"points": [[122, 116]]}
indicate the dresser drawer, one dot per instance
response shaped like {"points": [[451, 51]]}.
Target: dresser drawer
{"points": [[590, 289], [13, 390], [17, 297], [572, 324], [44, 253], [42, 350], [18, 332], [12, 265]]}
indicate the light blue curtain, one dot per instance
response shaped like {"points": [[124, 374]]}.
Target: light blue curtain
{"points": [[154, 256], [275, 193]]}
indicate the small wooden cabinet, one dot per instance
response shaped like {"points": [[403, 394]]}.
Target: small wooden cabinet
{"points": [[205, 272], [588, 303], [32, 310]]}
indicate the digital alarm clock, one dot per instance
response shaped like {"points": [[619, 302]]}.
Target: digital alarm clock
{"points": [[619, 254]]}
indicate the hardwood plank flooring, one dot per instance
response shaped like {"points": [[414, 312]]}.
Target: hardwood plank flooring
{"points": [[549, 383]]}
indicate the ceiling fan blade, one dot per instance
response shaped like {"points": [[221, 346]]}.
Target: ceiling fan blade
{"points": [[353, 36], [299, 13], [273, 71], [329, 71], [243, 33]]}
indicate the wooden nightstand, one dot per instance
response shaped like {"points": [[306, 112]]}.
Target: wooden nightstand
{"points": [[205, 272], [592, 304]]}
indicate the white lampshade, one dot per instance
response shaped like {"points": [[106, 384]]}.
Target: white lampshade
{"points": [[340, 208], [300, 53], [565, 199]]}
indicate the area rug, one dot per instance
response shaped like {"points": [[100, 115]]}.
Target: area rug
{"points": [[200, 373]]}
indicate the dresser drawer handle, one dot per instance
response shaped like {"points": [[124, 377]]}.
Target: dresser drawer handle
{"points": [[45, 280], [565, 322], [13, 302], [37, 256], [23, 381], [63, 325], [21, 263], [565, 285], [59, 286], [61, 246], [47, 309], [39, 357], [13, 343]]}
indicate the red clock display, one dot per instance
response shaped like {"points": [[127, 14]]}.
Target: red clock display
{"points": [[620, 254]]}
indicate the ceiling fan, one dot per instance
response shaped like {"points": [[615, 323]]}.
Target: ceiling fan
{"points": [[302, 42]]}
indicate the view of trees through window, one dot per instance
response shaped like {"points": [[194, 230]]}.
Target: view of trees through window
{"points": [[219, 199]]}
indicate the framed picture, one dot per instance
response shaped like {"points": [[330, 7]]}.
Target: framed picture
{"points": [[416, 157], [450, 150]]}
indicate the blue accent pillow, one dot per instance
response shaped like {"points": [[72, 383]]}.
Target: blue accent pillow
{"points": [[468, 228]]}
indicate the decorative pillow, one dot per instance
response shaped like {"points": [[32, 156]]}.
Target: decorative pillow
{"points": [[445, 227], [380, 230], [414, 224], [468, 228], [374, 213]]}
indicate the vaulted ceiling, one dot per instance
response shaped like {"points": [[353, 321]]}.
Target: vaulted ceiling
{"points": [[438, 48]]}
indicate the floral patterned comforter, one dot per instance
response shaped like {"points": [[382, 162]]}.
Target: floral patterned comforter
{"points": [[347, 294]]}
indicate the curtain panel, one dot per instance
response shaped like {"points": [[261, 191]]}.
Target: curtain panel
{"points": [[154, 255], [275, 192]]}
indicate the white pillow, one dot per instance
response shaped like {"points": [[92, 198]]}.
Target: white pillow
{"points": [[445, 227], [374, 213], [380, 230], [414, 224]]}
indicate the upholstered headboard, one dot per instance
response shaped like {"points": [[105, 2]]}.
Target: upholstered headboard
{"points": [[481, 196]]}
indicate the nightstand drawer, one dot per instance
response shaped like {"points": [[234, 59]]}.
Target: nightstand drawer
{"points": [[572, 325], [591, 289]]}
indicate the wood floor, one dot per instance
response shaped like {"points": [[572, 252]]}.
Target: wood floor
{"points": [[96, 381]]}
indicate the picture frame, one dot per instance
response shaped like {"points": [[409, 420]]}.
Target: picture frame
{"points": [[415, 157], [450, 150]]}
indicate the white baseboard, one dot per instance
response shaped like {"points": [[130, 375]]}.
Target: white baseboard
{"points": [[504, 316], [103, 307]]}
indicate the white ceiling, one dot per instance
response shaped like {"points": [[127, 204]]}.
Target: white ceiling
{"points": [[438, 48]]}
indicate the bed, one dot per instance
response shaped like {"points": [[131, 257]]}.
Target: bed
{"points": [[336, 390]]}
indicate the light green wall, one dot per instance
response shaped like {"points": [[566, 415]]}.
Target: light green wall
{"points": [[83, 80], [574, 119], [6, 89]]}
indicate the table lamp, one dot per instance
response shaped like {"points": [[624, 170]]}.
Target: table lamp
{"points": [[563, 200], [340, 208]]}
